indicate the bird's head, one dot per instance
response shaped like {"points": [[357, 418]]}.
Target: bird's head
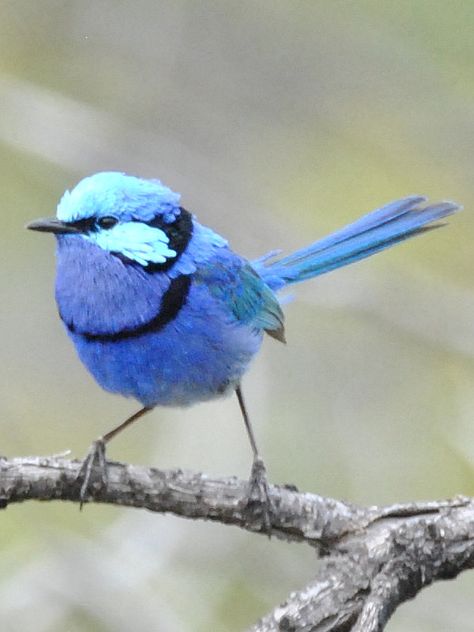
{"points": [[138, 220]]}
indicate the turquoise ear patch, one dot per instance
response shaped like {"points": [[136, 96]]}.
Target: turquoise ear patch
{"points": [[136, 241]]}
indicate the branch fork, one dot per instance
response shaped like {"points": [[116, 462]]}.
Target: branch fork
{"points": [[373, 558]]}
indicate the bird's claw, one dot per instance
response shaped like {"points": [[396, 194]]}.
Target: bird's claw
{"points": [[93, 472], [259, 493]]}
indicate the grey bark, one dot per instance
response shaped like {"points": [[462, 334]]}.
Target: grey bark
{"points": [[373, 558]]}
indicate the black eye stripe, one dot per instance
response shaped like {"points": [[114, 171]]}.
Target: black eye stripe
{"points": [[86, 225], [92, 224], [107, 222], [179, 233]]}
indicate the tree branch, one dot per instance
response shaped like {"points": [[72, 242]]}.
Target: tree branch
{"points": [[374, 558]]}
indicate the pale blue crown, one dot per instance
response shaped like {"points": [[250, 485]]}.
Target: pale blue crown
{"points": [[133, 202], [114, 193]]}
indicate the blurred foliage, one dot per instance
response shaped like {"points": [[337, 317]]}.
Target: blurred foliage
{"points": [[278, 122]]}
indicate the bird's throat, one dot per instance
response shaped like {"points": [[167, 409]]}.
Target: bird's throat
{"points": [[173, 300], [100, 296]]}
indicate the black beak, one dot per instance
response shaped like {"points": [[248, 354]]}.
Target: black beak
{"points": [[52, 225]]}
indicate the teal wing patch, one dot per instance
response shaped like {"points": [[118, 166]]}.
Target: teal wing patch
{"points": [[248, 296], [256, 302]]}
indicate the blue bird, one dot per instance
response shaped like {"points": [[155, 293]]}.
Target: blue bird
{"points": [[162, 310]]}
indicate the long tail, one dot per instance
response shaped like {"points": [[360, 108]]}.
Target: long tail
{"points": [[376, 231]]}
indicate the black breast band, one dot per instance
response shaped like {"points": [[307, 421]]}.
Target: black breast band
{"points": [[173, 300]]}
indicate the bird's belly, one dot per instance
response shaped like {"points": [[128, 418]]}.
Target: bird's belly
{"points": [[194, 358]]}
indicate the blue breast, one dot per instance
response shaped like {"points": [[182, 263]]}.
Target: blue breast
{"points": [[114, 315]]}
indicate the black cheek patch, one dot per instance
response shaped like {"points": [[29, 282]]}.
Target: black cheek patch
{"points": [[179, 234]]}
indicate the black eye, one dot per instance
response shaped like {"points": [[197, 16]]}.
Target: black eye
{"points": [[107, 222]]}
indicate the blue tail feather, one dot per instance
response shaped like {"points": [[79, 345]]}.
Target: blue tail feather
{"points": [[376, 231]]}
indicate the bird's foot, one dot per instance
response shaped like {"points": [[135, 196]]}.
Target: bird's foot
{"points": [[93, 472], [259, 494]]}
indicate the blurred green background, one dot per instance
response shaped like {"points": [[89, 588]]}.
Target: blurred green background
{"points": [[278, 122]]}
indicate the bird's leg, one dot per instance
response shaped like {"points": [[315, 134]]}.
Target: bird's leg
{"points": [[259, 490], [95, 461]]}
